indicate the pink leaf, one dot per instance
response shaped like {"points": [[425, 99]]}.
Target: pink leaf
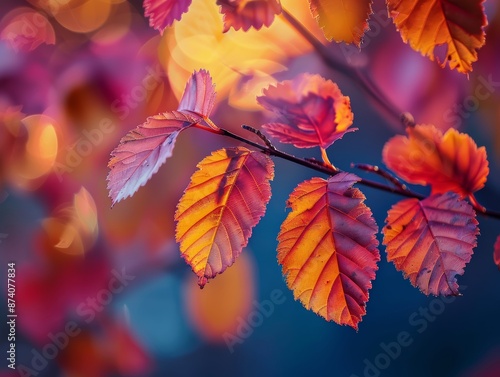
{"points": [[312, 112], [244, 14], [162, 13], [431, 241], [143, 150], [199, 94]]}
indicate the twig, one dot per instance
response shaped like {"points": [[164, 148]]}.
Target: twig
{"points": [[354, 74], [322, 168], [314, 166], [383, 173]]}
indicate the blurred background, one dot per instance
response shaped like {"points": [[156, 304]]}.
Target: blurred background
{"points": [[103, 292]]}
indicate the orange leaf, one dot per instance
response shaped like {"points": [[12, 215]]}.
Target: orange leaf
{"points": [[225, 199], [343, 21], [449, 162], [431, 241], [496, 252], [311, 111], [327, 248], [458, 24], [244, 14]]}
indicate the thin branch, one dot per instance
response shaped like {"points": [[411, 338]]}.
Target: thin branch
{"points": [[314, 166], [272, 151], [354, 74], [383, 173]]}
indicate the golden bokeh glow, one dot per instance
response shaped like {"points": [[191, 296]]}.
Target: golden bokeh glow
{"points": [[197, 41], [83, 16], [85, 211], [37, 156]]}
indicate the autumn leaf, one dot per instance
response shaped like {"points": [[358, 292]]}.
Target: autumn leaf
{"points": [[199, 94], [457, 24], [311, 111], [162, 13], [431, 241], [143, 150], [342, 21], [496, 252], [225, 199], [327, 248], [449, 162], [244, 14]]}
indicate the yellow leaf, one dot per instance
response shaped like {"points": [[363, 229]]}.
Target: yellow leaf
{"points": [[342, 21], [225, 199]]}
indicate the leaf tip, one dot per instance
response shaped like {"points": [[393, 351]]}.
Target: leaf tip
{"points": [[202, 281]]}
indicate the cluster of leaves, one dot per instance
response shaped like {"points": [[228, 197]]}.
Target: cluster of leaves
{"points": [[456, 24], [327, 245]]}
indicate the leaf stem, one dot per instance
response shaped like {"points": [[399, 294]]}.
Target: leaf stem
{"points": [[326, 160]]}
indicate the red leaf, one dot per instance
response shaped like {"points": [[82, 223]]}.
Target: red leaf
{"points": [[431, 241], [496, 252], [328, 249], [162, 13], [449, 162], [311, 111], [143, 150], [225, 199], [244, 14]]}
